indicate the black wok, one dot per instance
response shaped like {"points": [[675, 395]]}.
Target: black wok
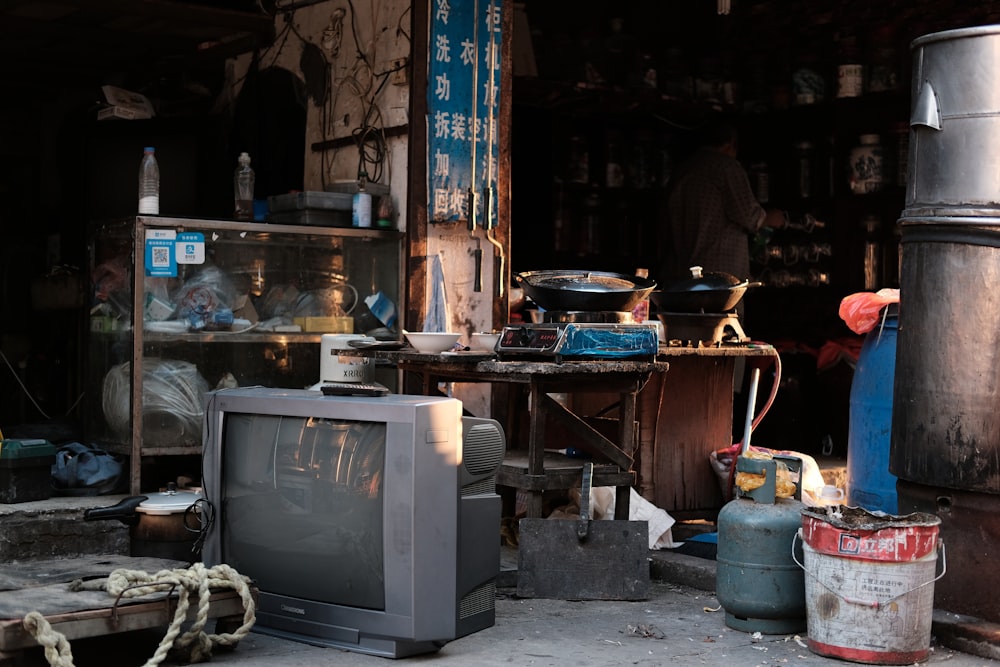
{"points": [[589, 291], [703, 292]]}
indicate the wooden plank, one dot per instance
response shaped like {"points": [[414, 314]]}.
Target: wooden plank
{"points": [[151, 611], [79, 614], [695, 418], [590, 438]]}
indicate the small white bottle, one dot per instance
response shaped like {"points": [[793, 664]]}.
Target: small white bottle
{"points": [[243, 184], [149, 183]]}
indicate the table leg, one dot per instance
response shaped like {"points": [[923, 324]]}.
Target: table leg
{"points": [[626, 441], [536, 447]]}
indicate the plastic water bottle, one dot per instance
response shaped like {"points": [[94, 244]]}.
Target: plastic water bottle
{"points": [[243, 183], [361, 210], [149, 183]]}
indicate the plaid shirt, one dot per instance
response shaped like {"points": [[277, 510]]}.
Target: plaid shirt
{"points": [[711, 214]]}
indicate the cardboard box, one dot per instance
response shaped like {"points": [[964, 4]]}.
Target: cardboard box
{"points": [[121, 113], [326, 324]]}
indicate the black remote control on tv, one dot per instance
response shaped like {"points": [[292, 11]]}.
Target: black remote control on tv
{"points": [[354, 389]]}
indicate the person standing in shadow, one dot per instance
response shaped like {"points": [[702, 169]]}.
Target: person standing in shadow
{"points": [[709, 216]]}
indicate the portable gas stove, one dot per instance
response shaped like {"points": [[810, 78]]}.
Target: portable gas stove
{"points": [[577, 335], [702, 329]]}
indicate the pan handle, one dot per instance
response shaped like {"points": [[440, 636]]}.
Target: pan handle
{"points": [[124, 511]]}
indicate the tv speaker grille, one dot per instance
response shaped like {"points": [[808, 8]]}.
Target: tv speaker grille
{"points": [[483, 449], [479, 600], [486, 485]]}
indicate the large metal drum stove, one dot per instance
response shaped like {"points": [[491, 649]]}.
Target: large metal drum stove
{"points": [[945, 444]]}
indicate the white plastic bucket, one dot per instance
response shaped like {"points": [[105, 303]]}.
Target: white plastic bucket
{"points": [[870, 584]]}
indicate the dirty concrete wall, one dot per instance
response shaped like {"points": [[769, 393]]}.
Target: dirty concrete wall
{"points": [[353, 58], [362, 45]]}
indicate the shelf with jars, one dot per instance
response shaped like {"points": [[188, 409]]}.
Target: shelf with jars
{"points": [[590, 194]]}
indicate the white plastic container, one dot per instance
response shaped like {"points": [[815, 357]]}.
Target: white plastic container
{"points": [[831, 495], [337, 367]]}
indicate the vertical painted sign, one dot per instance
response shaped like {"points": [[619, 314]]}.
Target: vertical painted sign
{"points": [[463, 99]]}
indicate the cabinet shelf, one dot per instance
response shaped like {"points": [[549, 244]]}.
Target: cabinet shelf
{"points": [[146, 388], [228, 337]]}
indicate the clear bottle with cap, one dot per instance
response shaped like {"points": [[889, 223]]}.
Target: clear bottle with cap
{"points": [[149, 183], [243, 185], [361, 208]]}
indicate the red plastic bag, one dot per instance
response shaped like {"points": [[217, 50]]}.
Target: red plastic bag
{"points": [[862, 311]]}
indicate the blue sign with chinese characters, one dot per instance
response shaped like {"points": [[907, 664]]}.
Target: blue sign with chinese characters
{"points": [[463, 100]]}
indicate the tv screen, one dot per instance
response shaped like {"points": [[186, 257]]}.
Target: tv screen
{"points": [[366, 523]]}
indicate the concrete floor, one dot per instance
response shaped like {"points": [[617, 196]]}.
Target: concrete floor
{"points": [[680, 623], [677, 625]]}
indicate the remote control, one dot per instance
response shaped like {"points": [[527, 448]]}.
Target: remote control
{"points": [[354, 389]]}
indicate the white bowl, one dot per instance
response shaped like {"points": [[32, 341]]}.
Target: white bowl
{"points": [[485, 341], [431, 343]]}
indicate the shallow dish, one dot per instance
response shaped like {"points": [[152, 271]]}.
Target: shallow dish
{"points": [[431, 342], [484, 341]]}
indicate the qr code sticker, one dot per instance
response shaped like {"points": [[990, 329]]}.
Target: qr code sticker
{"points": [[161, 257]]}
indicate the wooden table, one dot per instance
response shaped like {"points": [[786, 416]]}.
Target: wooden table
{"points": [[532, 469], [668, 420], [687, 414]]}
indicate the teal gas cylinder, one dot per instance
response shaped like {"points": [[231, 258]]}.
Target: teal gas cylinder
{"points": [[869, 483], [758, 581]]}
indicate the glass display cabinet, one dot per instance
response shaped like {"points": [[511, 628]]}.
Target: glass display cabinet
{"points": [[181, 306]]}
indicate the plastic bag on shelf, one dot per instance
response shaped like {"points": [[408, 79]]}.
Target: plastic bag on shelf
{"points": [[172, 396], [206, 300]]}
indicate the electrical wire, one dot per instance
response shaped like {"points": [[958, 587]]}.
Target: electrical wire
{"points": [[369, 135], [31, 398], [362, 81], [170, 387]]}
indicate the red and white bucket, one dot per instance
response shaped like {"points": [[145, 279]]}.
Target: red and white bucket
{"points": [[870, 583]]}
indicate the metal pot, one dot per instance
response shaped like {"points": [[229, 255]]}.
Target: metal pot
{"points": [[703, 292], [166, 524], [953, 163], [592, 291]]}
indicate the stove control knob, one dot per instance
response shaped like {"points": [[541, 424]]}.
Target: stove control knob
{"points": [[524, 338]]}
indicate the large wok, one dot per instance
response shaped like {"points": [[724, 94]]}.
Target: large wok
{"points": [[703, 292], [588, 291]]}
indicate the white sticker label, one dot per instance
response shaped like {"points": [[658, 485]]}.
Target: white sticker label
{"points": [[190, 248]]}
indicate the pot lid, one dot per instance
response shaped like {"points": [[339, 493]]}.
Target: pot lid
{"points": [[702, 280], [168, 502]]}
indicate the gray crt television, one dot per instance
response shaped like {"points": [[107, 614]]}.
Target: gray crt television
{"points": [[367, 523]]}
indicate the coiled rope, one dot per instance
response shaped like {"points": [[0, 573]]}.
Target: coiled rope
{"points": [[195, 645]]}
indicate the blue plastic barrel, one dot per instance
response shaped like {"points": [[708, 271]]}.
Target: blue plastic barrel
{"points": [[869, 483]]}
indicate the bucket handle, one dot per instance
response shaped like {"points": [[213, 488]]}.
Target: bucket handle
{"points": [[875, 604]]}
